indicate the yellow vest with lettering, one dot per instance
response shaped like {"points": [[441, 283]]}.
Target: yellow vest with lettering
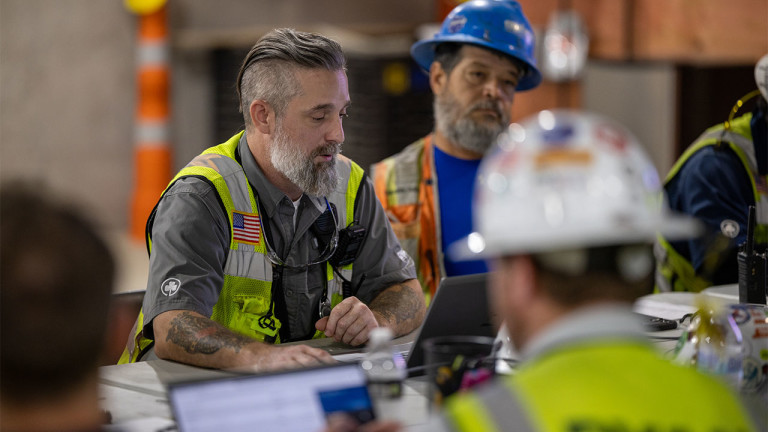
{"points": [[600, 387]]}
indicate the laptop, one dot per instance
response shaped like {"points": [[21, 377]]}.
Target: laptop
{"points": [[292, 400], [460, 307]]}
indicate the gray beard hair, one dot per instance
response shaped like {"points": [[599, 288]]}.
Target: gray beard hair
{"points": [[313, 179], [459, 127]]}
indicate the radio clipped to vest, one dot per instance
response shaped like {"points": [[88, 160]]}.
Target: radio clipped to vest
{"points": [[349, 241]]}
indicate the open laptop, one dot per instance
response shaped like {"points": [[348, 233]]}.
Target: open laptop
{"points": [[292, 400], [460, 307]]}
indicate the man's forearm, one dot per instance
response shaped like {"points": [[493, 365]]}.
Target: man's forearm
{"points": [[189, 337], [400, 307]]}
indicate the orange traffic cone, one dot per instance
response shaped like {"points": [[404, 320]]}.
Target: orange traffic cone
{"points": [[152, 144]]}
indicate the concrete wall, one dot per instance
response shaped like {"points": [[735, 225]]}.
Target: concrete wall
{"points": [[67, 93], [66, 99]]}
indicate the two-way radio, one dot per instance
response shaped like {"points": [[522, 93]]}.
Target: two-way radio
{"points": [[752, 283]]}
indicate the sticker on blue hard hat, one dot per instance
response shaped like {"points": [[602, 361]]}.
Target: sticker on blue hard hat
{"points": [[456, 24], [513, 27]]}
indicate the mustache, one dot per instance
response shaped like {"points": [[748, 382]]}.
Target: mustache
{"points": [[487, 105], [330, 148]]}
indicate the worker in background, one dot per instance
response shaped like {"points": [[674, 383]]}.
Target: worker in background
{"points": [[56, 280], [273, 236], [716, 180], [482, 55], [586, 197]]}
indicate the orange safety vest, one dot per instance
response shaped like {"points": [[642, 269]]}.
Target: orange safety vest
{"points": [[405, 185]]}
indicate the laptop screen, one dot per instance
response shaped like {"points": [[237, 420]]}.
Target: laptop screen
{"points": [[295, 400]]}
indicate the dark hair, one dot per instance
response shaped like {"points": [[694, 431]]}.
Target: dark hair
{"points": [[448, 54], [56, 278], [267, 71], [602, 277]]}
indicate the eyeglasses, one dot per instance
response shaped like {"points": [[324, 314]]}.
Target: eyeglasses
{"points": [[327, 253]]}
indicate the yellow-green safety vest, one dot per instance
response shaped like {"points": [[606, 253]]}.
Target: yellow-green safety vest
{"points": [[600, 387], [245, 301], [675, 272]]}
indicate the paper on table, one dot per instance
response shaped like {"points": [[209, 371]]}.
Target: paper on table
{"points": [[666, 305]]}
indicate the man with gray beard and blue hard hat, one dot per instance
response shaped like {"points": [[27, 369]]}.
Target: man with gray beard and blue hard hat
{"points": [[482, 55]]}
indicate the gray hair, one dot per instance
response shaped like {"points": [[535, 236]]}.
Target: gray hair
{"points": [[267, 72]]}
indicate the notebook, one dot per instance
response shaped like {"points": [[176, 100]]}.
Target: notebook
{"points": [[293, 400], [460, 307]]}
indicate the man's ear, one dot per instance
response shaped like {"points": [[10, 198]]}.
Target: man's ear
{"points": [[262, 116], [438, 78]]}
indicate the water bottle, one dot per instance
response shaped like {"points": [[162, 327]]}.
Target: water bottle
{"points": [[383, 365]]}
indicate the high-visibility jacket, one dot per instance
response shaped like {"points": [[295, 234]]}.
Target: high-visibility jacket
{"points": [[674, 271], [406, 187], [595, 387], [245, 302]]}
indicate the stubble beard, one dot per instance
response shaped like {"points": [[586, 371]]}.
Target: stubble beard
{"points": [[462, 129], [316, 179]]}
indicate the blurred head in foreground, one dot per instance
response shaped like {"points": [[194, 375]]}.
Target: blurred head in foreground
{"points": [[56, 278]]}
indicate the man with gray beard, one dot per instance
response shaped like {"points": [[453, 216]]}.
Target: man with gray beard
{"points": [[482, 55], [273, 236]]}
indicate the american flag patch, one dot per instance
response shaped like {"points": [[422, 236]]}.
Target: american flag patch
{"points": [[246, 227]]}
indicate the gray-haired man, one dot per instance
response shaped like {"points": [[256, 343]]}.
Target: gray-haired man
{"points": [[273, 236]]}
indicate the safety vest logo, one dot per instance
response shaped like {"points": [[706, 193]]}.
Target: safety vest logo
{"points": [[170, 286], [729, 228]]}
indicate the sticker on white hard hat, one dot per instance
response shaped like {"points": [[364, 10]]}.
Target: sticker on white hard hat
{"points": [[761, 75]]}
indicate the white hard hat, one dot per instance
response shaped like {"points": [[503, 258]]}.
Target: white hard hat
{"points": [[566, 180], [761, 75]]}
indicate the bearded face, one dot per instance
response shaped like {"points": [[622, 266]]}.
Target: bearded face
{"points": [[465, 127], [314, 178]]}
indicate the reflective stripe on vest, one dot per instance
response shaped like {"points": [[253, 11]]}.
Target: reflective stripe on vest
{"points": [[604, 387], [494, 408], [244, 303], [406, 186], [675, 272]]}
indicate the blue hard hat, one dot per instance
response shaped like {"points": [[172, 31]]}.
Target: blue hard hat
{"points": [[498, 25]]}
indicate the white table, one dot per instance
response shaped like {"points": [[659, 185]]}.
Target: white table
{"points": [[135, 394]]}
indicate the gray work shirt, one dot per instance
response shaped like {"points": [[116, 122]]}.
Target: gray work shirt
{"points": [[190, 242]]}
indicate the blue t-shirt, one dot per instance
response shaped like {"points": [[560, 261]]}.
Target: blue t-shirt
{"points": [[456, 186]]}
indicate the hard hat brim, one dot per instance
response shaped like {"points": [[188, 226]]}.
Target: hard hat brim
{"points": [[423, 52], [476, 247]]}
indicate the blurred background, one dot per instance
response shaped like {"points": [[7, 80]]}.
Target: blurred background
{"points": [[667, 69]]}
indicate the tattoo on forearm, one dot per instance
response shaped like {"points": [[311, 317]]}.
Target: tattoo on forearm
{"points": [[398, 304], [198, 335]]}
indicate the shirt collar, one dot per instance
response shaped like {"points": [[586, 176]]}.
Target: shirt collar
{"points": [[587, 324]]}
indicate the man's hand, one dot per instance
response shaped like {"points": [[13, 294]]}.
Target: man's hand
{"points": [[191, 338], [350, 322], [287, 357]]}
